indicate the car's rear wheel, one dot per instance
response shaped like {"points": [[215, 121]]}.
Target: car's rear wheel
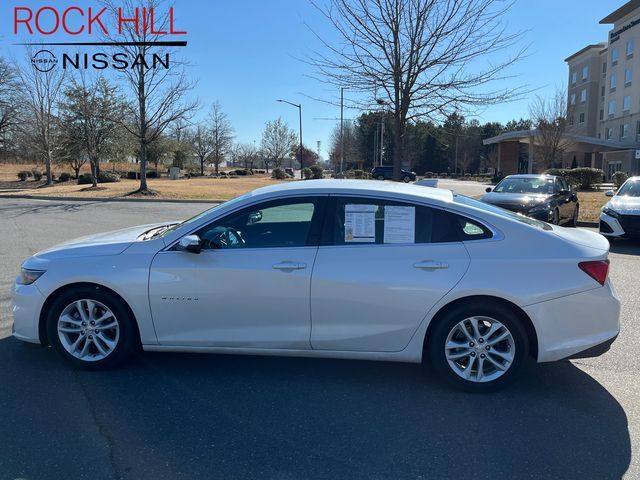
{"points": [[556, 217], [380, 177], [91, 328], [478, 348]]}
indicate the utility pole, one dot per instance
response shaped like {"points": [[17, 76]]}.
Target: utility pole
{"points": [[299, 107], [341, 129], [381, 141]]}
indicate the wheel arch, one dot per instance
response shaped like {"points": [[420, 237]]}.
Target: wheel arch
{"points": [[530, 330], [42, 320]]}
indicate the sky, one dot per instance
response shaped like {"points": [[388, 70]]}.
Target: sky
{"points": [[247, 54]]}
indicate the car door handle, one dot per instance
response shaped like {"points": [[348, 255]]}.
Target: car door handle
{"points": [[431, 265], [290, 266]]}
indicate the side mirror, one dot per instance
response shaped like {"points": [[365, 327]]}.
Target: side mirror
{"points": [[488, 189], [190, 243], [610, 193], [254, 217], [565, 192]]}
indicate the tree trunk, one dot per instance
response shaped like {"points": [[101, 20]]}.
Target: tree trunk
{"points": [[47, 163], [94, 172], [398, 150], [202, 168], [143, 166], [217, 164]]}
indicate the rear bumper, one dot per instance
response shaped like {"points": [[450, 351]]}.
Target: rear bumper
{"points": [[595, 351], [576, 324]]}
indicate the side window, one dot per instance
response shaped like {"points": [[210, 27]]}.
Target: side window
{"points": [[279, 223], [375, 221]]}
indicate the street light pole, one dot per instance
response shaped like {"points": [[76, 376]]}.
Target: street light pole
{"points": [[342, 130], [299, 107]]}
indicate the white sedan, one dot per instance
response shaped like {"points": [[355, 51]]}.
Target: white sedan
{"points": [[330, 268], [620, 217]]}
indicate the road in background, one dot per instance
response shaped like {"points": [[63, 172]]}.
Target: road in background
{"points": [[214, 416]]}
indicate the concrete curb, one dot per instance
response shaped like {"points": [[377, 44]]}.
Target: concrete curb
{"points": [[106, 200], [589, 224]]}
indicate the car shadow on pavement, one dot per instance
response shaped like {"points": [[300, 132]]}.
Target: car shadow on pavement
{"points": [[626, 246], [219, 416]]}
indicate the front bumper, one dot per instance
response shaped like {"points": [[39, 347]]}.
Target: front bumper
{"points": [[569, 325], [27, 302], [610, 226]]}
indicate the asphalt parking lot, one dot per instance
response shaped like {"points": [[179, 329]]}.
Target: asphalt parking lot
{"points": [[198, 416]]}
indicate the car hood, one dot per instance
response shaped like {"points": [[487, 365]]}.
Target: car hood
{"points": [[519, 201], [107, 243], [625, 205]]}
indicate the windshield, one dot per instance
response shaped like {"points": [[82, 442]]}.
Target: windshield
{"points": [[630, 189], [197, 217], [540, 185], [501, 211]]}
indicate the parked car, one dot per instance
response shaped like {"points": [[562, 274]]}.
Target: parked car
{"points": [[348, 269], [289, 171], [543, 197], [386, 173], [620, 217]]}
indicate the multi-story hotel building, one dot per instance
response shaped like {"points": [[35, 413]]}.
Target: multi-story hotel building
{"points": [[603, 105]]}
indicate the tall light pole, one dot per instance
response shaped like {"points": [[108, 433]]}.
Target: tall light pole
{"points": [[342, 130], [299, 107]]}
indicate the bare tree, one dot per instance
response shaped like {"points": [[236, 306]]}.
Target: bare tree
{"points": [[419, 57], [91, 112], [202, 145], [278, 140], [42, 90], [549, 117], [221, 133], [158, 95], [9, 103], [247, 154], [348, 141]]}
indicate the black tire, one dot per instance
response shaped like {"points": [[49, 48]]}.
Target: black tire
{"points": [[574, 220], [380, 177], [406, 179], [128, 339], [556, 217], [435, 345]]}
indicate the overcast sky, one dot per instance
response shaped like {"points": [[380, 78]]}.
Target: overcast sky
{"points": [[246, 54]]}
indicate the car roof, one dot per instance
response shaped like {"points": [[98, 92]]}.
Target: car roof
{"points": [[327, 186]]}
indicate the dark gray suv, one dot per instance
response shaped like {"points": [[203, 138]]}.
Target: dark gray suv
{"points": [[386, 173]]}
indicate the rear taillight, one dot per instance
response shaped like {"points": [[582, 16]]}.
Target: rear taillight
{"points": [[598, 270]]}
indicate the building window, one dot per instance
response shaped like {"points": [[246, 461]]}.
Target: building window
{"points": [[624, 131], [628, 76], [585, 73], [601, 114], [638, 127], [582, 118], [614, 82], [583, 95], [603, 90], [631, 46], [574, 78], [573, 99], [626, 104], [615, 56], [612, 108], [608, 133], [604, 68], [571, 120]]}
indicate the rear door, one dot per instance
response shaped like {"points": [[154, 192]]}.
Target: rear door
{"points": [[381, 267]]}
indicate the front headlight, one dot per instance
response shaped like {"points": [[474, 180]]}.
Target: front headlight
{"points": [[539, 208], [612, 213], [27, 277]]}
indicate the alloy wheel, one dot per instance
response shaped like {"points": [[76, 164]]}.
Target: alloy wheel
{"points": [[480, 349], [88, 330]]}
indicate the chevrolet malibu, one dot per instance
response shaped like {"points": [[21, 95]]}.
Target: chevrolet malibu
{"points": [[620, 217], [330, 268]]}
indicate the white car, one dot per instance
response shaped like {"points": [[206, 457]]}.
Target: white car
{"points": [[330, 268], [620, 217]]}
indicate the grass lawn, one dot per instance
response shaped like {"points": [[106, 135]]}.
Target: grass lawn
{"points": [[590, 205]]}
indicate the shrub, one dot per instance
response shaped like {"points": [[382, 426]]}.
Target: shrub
{"points": [[64, 177], [278, 174], [307, 173], [428, 174], [37, 175], [103, 177], [619, 178], [23, 175], [241, 172], [152, 174], [232, 174], [583, 177], [358, 174], [317, 171]]}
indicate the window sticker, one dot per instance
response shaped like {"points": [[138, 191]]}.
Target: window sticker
{"points": [[399, 224], [360, 223]]}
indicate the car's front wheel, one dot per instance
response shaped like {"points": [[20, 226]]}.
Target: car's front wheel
{"points": [[478, 348], [91, 328], [406, 179]]}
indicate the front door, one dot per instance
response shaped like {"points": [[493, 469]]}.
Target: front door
{"points": [[382, 266], [249, 287]]}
